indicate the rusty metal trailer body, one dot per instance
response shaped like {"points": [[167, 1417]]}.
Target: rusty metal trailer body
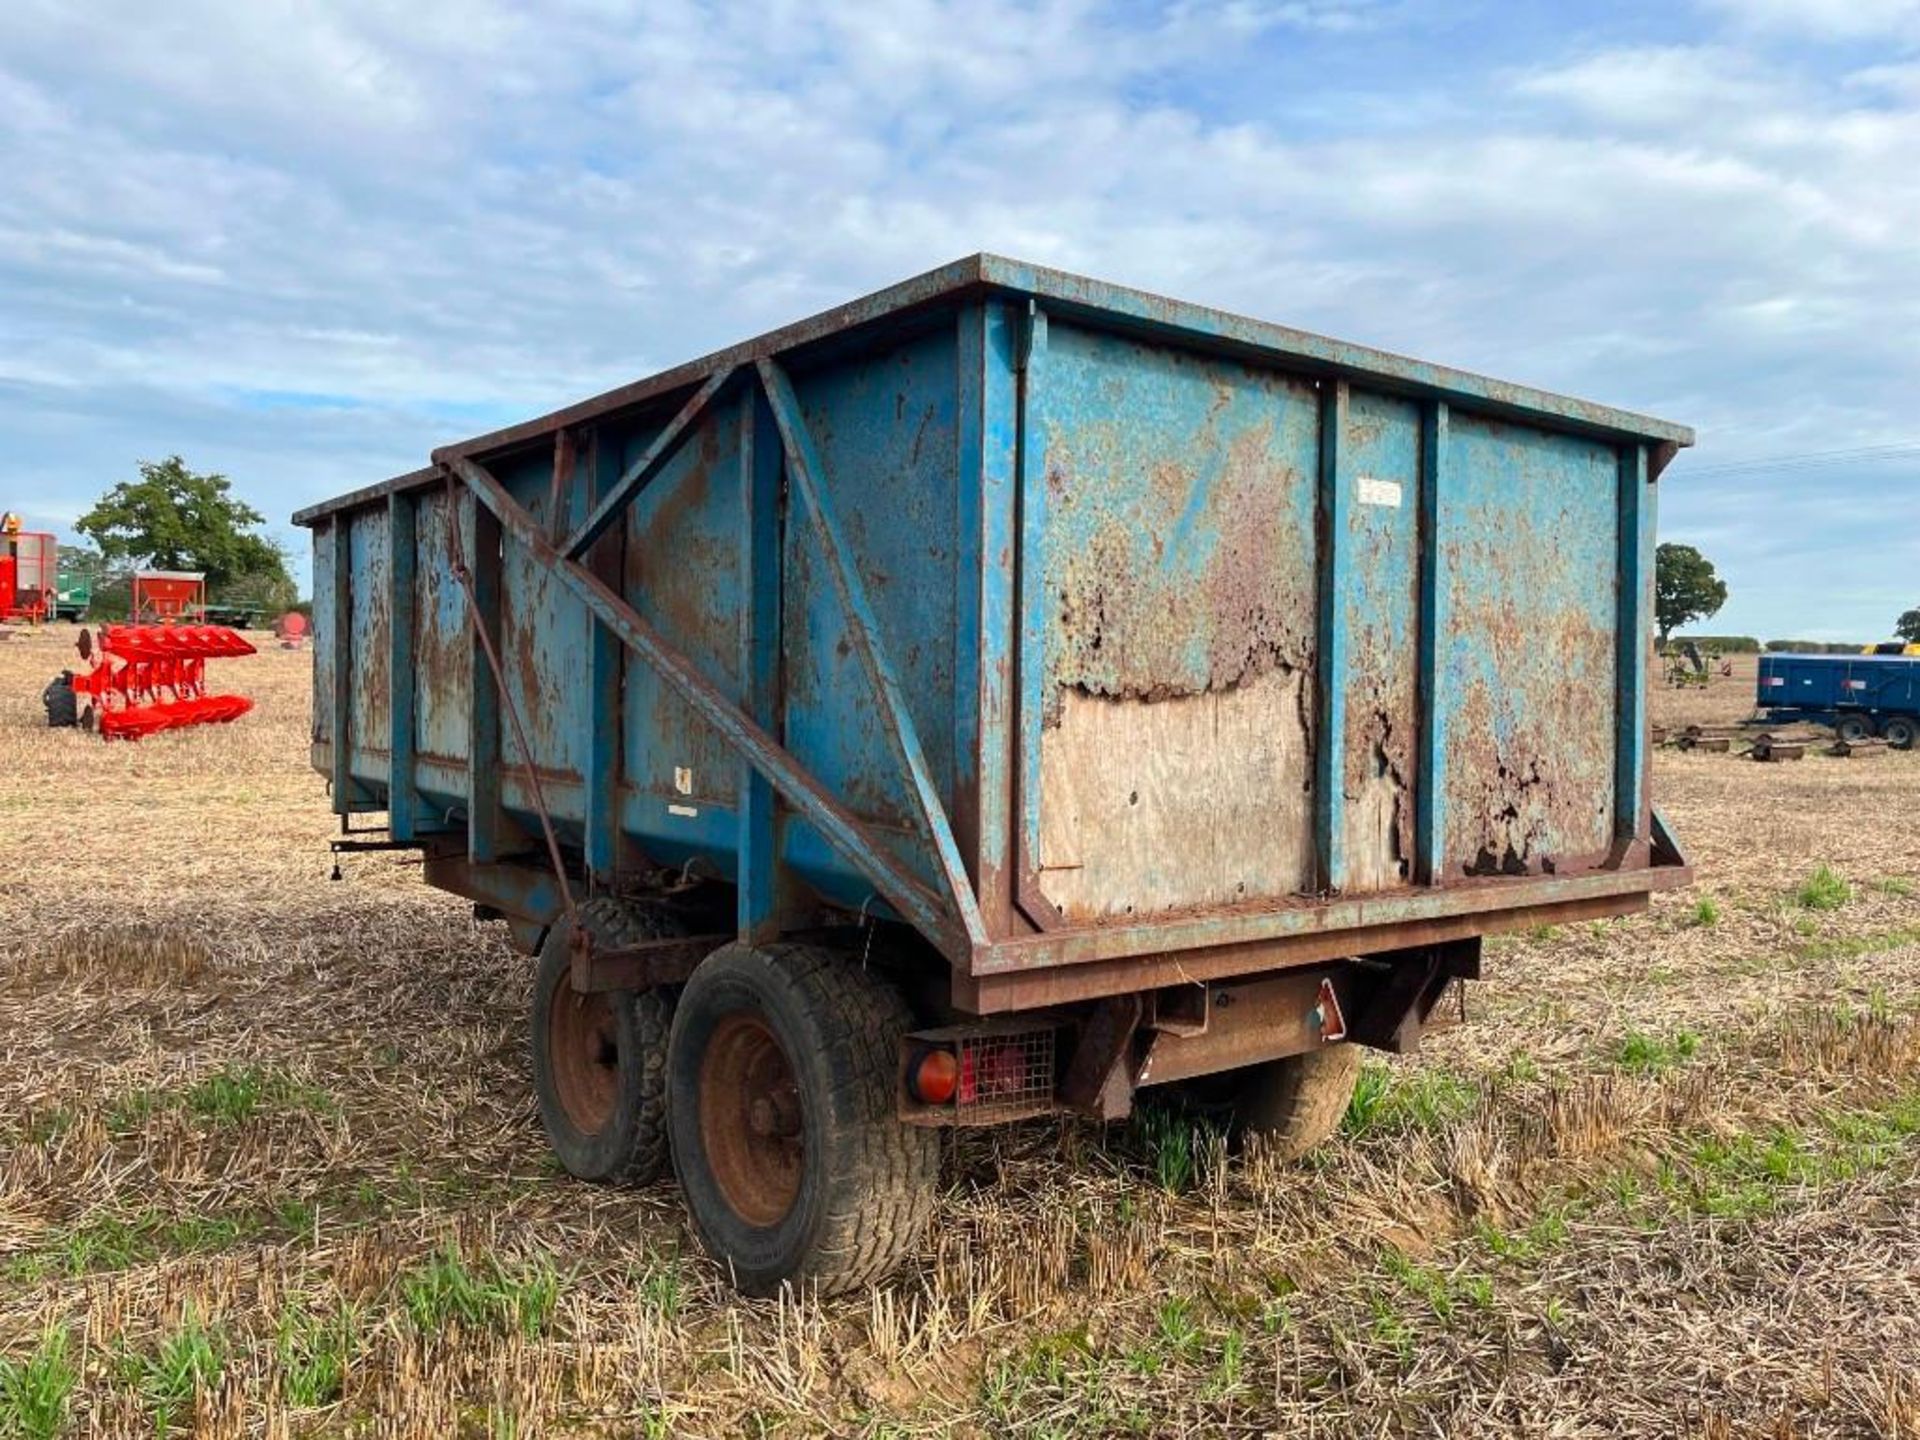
{"points": [[1116, 648]]}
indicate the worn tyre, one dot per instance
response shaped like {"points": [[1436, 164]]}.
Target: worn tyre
{"points": [[1295, 1103], [1853, 728], [782, 1073], [599, 1061], [63, 706], [1902, 731]]}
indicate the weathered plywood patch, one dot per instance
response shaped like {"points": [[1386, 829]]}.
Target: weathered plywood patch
{"points": [[1193, 800]]}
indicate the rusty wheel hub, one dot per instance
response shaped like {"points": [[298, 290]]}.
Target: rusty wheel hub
{"points": [[751, 1124], [583, 1039]]}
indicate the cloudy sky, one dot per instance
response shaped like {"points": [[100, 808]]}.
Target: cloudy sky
{"points": [[303, 243]]}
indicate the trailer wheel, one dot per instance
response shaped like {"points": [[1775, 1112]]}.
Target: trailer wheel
{"points": [[599, 1060], [1901, 732], [1294, 1103], [782, 1074], [1853, 728]]}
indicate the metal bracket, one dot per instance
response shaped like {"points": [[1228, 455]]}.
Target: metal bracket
{"points": [[638, 967], [804, 471], [665, 446], [1099, 1078], [901, 889]]}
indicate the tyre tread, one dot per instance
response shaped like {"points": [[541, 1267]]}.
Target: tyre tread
{"points": [[616, 923], [1298, 1102], [885, 1202]]}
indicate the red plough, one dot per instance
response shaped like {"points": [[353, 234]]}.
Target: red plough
{"points": [[148, 678]]}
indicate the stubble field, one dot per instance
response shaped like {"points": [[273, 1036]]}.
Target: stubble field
{"points": [[269, 1163]]}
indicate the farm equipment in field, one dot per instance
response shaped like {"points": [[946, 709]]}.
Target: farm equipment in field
{"points": [[1862, 697], [73, 598], [145, 679], [1686, 667], [1001, 695], [162, 595], [29, 582]]}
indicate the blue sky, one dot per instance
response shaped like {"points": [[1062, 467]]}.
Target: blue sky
{"points": [[303, 244]]}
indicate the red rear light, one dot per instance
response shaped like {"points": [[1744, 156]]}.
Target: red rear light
{"points": [[934, 1077]]}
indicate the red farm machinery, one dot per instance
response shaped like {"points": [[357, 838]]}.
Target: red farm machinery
{"points": [[147, 678], [151, 675], [29, 571]]}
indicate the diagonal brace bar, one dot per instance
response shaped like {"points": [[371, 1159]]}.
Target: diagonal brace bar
{"points": [[890, 878], [804, 472], [665, 446]]}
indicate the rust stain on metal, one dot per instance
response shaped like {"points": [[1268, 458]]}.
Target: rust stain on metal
{"points": [[1190, 612]]}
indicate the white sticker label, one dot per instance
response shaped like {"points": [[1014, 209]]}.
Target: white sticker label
{"points": [[683, 779], [687, 810], [1379, 492]]}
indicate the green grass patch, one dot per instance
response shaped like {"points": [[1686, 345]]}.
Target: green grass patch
{"points": [[117, 1242], [1705, 913], [1171, 1141], [1546, 1231], [1643, 1054], [1825, 889], [1393, 1102], [1389, 1327], [1896, 887], [1748, 1175], [231, 1095], [445, 1291], [661, 1282], [34, 1392], [313, 1351], [1445, 1292], [1520, 1068], [168, 1376], [49, 1125], [1850, 947], [1176, 1327], [1062, 1376]]}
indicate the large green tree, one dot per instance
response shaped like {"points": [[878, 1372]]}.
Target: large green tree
{"points": [[172, 518], [1685, 588], [1907, 627]]}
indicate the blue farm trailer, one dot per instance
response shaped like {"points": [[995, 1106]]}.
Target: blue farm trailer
{"points": [[1860, 696], [990, 698]]}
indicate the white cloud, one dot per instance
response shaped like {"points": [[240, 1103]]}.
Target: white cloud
{"points": [[1826, 19], [448, 211]]}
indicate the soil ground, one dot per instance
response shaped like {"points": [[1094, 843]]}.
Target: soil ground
{"points": [[269, 1163]]}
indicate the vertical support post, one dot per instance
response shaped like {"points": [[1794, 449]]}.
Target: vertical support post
{"points": [[1430, 808], [1031, 661], [1330, 811], [483, 753], [760, 523], [606, 668], [1630, 820], [403, 804], [343, 785], [984, 739]]}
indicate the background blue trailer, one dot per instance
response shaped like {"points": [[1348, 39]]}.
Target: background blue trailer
{"points": [[1859, 695], [1013, 688]]}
